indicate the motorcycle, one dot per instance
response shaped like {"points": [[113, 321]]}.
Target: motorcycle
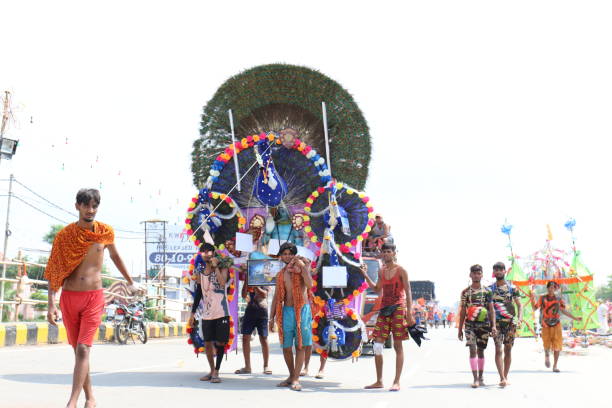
{"points": [[130, 322]]}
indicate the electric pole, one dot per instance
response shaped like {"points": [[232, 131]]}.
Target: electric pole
{"points": [[7, 234]]}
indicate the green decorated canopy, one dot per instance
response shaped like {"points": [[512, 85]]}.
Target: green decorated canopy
{"points": [[273, 97]]}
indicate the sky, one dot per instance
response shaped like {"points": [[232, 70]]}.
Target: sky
{"points": [[479, 111]]}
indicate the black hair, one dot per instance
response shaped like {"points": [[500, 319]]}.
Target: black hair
{"points": [[85, 195], [287, 245], [475, 268], [205, 247], [499, 266], [551, 283], [388, 247]]}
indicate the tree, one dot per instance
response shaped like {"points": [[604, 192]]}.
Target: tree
{"points": [[105, 281], [605, 292], [50, 236], [40, 295]]}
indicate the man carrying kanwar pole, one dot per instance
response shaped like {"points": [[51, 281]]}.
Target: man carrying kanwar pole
{"points": [[394, 317], [476, 312], [551, 306], [291, 312], [508, 311], [212, 289], [75, 266]]}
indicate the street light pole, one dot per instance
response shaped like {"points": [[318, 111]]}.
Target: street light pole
{"points": [[7, 233]]}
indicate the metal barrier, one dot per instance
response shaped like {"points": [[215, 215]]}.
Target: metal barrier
{"points": [[162, 299]]}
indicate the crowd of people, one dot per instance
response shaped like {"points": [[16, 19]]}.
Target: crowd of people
{"points": [[76, 262], [496, 311]]}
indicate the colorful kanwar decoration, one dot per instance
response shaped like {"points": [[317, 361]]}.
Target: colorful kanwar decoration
{"points": [[263, 175], [553, 264]]}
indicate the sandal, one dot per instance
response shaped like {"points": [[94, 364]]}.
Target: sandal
{"points": [[267, 371], [319, 376], [296, 387], [283, 384], [215, 380], [243, 370], [207, 377]]}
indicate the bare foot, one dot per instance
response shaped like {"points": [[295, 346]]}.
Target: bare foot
{"points": [[90, 403], [296, 386], [377, 384], [474, 384], [320, 375], [502, 383], [547, 362], [481, 382], [243, 370], [215, 380], [395, 387], [207, 377], [267, 371], [556, 370], [304, 373]]}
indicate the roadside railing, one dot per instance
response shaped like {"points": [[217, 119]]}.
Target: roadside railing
{"points": [[43, 284]]}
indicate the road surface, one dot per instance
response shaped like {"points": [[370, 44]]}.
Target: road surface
{"points": [[165, 372]]}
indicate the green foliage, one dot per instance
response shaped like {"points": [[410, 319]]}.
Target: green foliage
{"points": [[605, 292], [106, 282], [38, 272], [40, 295], [8, 310], [50, 236], [256, 97], [150, 314]]}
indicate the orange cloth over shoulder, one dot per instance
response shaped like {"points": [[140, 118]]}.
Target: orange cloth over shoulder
{"points": [[70, 247], [297, 285]]}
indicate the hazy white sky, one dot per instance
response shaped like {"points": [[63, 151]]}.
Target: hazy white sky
{"points": [[478, 111]]}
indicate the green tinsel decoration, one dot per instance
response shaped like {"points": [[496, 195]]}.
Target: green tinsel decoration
{"points": [[268, 98]]}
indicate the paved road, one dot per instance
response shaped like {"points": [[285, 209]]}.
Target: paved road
{"points": [[165, 373]]}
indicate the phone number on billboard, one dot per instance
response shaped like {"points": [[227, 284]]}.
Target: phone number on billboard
{"points": [[171, 257]]}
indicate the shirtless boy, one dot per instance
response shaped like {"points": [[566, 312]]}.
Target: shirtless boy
{"points": [[291, 312], [75, 265]]}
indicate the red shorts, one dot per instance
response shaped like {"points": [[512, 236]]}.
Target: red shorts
{"points": [[395, 325], [82, 314]]}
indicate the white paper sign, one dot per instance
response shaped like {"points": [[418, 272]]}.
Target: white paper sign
{"points": [[244, 242], [306, 253], [334, 277], [274, 246]]}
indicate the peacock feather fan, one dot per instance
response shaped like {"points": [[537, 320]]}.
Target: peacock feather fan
{"points": [[269, 98]]}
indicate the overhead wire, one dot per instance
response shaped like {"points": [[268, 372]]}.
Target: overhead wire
{"points": [[55, 206], [38, 209]]}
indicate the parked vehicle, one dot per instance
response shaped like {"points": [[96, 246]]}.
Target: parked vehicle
{"points": [[111, 309], [129, 322]]}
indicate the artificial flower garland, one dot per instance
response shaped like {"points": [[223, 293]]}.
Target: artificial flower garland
{"points": [[322, 350], [345, 247], [194, 337], [201, 199]]}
